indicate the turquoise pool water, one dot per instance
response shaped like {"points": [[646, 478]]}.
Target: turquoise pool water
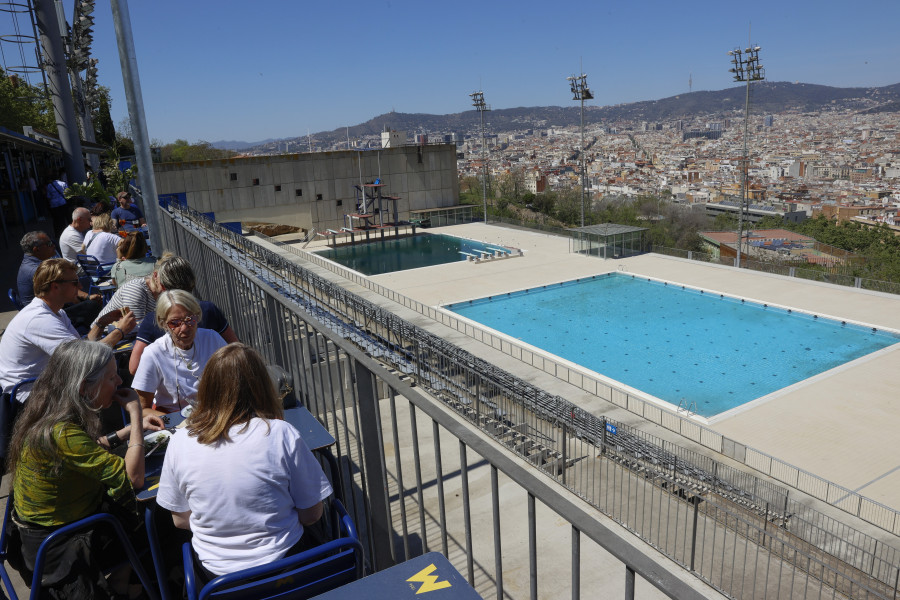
{"points": [[420, 250], [674, 343]]}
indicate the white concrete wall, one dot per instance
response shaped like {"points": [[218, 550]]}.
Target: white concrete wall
{"points": [[431, 183]]}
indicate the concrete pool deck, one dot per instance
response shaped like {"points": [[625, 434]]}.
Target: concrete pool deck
{"points": [[839, 426]]}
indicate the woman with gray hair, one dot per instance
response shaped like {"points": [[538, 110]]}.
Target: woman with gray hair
{"points": [[169, 373], [61, 467]]}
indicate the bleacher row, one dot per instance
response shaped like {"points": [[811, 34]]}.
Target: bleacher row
{"points": [[433, 363]]}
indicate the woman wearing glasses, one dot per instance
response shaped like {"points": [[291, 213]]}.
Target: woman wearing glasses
{"points": [[169, 372]]}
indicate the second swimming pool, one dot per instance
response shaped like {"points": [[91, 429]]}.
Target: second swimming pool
{"points": [[685, 346], [413, 252]]}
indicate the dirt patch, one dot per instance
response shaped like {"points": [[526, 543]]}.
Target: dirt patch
{"points": [[271, 229]]}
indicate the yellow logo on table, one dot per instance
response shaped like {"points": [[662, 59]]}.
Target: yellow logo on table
{"points": [[429, 582]]}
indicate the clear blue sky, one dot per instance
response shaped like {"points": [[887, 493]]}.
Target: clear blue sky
{"points": [[259, 69]]}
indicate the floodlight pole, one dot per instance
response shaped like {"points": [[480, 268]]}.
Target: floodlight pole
{"points": [[480, 106], [746, 68], [581, 92]]}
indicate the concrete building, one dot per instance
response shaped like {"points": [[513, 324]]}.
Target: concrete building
{"points": [[313, 190], [392, 139]]}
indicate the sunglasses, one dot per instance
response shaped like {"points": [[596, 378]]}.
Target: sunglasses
{"points": [[47, 243], [189, 321], [65, 281]]}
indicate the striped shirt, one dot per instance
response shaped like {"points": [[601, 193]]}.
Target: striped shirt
{"points": [[135, 295]]}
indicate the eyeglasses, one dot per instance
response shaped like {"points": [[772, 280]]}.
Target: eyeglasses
{"points": [[43, 243], [189, 321], [65, 281]]}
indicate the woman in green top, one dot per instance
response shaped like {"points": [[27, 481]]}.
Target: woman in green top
{"points": [[133, 260], [61, 467]]}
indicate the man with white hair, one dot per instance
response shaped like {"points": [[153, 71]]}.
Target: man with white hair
{"points": [[72, 239]]}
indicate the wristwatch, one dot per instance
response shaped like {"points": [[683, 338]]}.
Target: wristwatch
{"points": [[113, 440]]}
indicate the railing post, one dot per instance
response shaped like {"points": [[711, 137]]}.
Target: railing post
{"points": [[375, 470], [629, 583], [696, 502], [576, 563], [896, 583], [532, 547], [602, 435]]}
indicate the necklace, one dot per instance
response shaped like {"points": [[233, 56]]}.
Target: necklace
{"points": [[192, 368], [187, 360]]}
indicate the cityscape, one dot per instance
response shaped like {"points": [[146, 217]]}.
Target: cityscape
{"points": [[842, 161]]}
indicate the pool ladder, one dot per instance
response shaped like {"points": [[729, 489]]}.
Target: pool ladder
{"points": [[690, 409]]}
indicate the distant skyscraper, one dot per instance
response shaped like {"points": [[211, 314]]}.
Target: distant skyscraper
{"points": [[769, 120]]}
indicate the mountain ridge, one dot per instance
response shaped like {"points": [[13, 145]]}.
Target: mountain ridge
{"points": [[766, 98]]}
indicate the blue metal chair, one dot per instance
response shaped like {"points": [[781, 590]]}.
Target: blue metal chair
{"points": [[15, 299], [87, 523], [303, 575], [99, 272]]}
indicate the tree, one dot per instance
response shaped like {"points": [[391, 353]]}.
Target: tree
{"points": [[183, 151], [770, 222], [22, 104], [509, 186], [568, 205], [725, 222], [106, 132]]}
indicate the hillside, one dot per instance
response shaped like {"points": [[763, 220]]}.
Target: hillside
{"points": [[767, 97]]}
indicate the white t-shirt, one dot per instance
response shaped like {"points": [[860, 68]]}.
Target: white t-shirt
{"points": [[174, 377], [103, 245], [70, 243], [29, 340], [242, 494]]}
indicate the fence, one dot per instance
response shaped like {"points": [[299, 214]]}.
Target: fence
{"points": [[837, 274], [307, 323]]}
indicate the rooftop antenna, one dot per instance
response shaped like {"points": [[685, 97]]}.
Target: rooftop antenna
{"points": [[348, 138], [308, 140], [690, 83]]}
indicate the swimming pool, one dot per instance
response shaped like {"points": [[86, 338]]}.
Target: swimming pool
{"points": [[707, 351], [400, 254]]}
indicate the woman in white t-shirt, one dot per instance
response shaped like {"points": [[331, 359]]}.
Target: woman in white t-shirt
{"points": [[238, 476], [100, 242], [168, 375]]}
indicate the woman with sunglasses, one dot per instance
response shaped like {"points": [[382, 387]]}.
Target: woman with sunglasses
{"points": [[169, 372]]}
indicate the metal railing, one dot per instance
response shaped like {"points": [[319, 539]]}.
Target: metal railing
{"points": [[316, 329], [837, 274]]}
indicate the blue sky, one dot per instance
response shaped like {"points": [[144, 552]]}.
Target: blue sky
{"points": [[273, 69]]}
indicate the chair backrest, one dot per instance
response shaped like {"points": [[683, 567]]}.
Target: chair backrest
{"points": [[14, 402], [93, 267], [88, 523], [303, 575], [15, 299]]}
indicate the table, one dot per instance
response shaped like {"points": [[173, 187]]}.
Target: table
{"points": [[430, 573], [313, 433]]}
